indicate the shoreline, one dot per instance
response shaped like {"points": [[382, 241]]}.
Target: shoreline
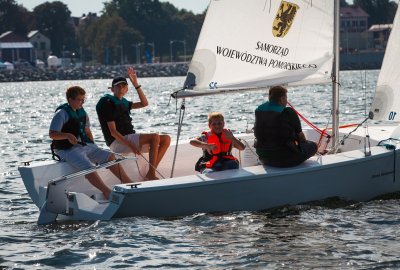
{"points": [[358, 61], [93, 72]]}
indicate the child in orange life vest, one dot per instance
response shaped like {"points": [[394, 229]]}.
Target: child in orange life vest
{"points": [[217, 145]]}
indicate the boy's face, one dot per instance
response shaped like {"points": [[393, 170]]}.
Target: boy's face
{"points": [[77, 103], [120, 90], [216, 125]]}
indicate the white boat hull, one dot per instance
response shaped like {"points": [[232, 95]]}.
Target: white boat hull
{"points": [[349, 175], [259, 188]]}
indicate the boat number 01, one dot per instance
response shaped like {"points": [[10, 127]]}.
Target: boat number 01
{"points": [[392, 115]]}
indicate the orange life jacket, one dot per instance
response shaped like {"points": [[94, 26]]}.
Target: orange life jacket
{"points": [[223, 149]]}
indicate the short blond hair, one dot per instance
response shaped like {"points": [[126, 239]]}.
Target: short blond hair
{"points": [[215, 115]]}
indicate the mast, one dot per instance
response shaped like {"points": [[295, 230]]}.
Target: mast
{"points": [[335, 77]]}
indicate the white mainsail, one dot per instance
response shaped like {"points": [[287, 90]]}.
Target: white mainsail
{"points": [[255, 44], [386, 102]]}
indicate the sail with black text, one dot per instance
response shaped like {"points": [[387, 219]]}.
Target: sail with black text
{"points": [[260, 43]]}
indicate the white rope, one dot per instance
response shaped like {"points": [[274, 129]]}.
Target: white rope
{"points": [[137, 164], [251, 150]]}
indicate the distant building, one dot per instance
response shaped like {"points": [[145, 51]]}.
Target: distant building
{"points": [[86, 19], [15, 48], [380, 35], [41, 44], [353, 19], [353, 29], [355, 35]]}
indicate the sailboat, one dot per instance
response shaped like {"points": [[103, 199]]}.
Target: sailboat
{"points": [[244, 46]]}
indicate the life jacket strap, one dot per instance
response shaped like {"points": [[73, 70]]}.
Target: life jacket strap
{"points": [[224, 154], [53, 154]]}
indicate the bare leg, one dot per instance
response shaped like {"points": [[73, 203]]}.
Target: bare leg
{"points": [[119, 172], [96, 181], [153, 140], [165, 141]]}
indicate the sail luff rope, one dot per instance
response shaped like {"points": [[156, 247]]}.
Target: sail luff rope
{"points": [[366, 133]]}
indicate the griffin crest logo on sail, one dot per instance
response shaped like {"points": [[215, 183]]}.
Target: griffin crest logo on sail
{"points": [[284, 18]]}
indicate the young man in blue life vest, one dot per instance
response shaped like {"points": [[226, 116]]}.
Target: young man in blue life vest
{"points": [[116, 123], [217, 146], [73, 140], [280, 141]]}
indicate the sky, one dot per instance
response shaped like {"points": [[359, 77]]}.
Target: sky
{"points": [[79, 7]]}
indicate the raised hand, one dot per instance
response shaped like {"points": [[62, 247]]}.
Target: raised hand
{"points": [[132, 76]]}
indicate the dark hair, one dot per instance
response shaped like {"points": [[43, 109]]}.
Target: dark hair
{"points": [[276, 92], [74, 91]]}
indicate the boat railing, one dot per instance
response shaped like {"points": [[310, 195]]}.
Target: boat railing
{"points": [[57, 194], [88, 171]]}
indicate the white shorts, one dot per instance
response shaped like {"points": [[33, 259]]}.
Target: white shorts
{"points": [[84, 157], [123, 149]]}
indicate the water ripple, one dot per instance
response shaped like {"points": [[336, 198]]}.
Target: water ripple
{"points": [[332, 234]]}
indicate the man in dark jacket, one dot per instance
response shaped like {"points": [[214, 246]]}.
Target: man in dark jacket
{"points": [[280, 141]]}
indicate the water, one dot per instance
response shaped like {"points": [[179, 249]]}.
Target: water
{"points": [[326, 236]]}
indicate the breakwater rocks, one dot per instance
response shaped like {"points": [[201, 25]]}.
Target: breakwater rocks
{"points": [[92, 72]]}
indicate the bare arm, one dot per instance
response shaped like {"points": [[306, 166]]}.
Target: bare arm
{"points": [[235, 142], [142, 97], [89, 134], [203, 145], [58, 135], [118, 136]]}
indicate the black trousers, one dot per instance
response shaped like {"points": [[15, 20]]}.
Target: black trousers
{"points": [[307, 150]]}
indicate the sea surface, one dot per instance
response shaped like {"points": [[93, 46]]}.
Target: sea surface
{"points": [[329, 235]]}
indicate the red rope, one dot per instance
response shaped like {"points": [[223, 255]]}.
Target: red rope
{"points": [[322, 132]]}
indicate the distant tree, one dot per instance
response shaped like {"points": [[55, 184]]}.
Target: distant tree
{"points": [[343, 3], [54, 20], [148, 17], [14, 17], [107, 37], [192, 26], [158, 22], [380, 11]]}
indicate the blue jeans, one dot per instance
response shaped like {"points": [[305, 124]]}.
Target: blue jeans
{"points": [[227, 164]]}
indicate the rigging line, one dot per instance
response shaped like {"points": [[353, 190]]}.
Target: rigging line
{"points": [[136, 161], [157, 171], [180, 121], [345, 137], [145, 159], [366, 133], [334, 81], [265, 4], [306, 120], [364, 87], [394, 165], [82, 173], [251, 150], [175, 96], [391, 147]]}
